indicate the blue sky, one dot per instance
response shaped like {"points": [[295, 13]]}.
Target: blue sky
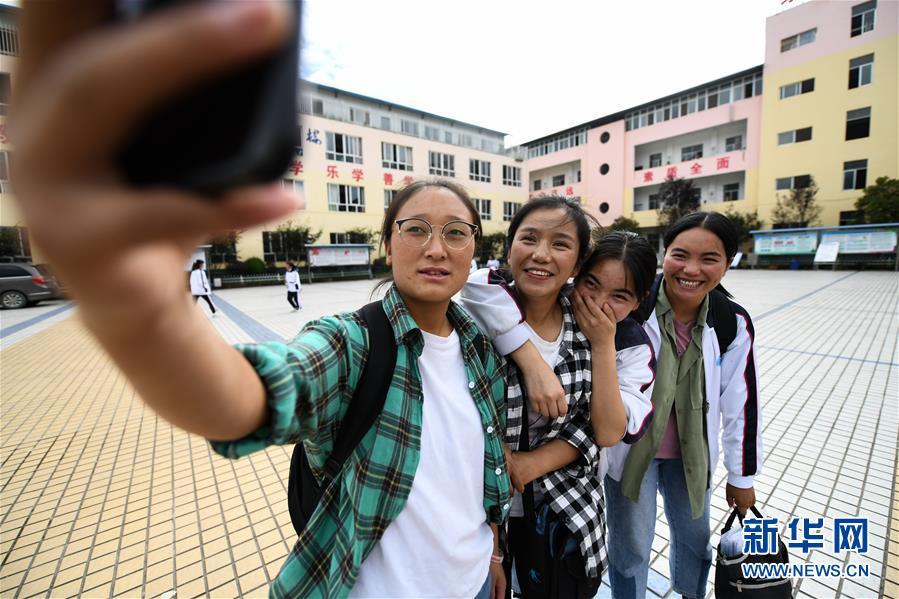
{"points": [[529, 67]]}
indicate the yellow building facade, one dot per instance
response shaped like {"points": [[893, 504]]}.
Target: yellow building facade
{"points": [[830, 109]]}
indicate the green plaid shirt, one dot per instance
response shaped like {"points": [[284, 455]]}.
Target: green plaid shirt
{"points": [[309, 385]]}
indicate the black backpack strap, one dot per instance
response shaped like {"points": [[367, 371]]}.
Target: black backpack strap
{"points": [[303, 490], [723, 319], [371, 390]]}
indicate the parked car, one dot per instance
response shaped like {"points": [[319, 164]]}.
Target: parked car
{"points": [[23, 284]]}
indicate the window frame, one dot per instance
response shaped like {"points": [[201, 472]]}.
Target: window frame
{"points": [[856, 169], [509, 210], [346, 203], [484, 207], [859, 127], [390, 156], [479, 170], [691, 152], [729, 146], [734, 189], [862, 12], [345, 155], [864, 65], [558, 180], [511, 175], [446, 164]]}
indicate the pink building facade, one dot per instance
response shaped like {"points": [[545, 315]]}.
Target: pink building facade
{"points": [[616, 164]]}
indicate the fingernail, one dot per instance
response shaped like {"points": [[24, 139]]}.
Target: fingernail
{"points": [[255, 16]]}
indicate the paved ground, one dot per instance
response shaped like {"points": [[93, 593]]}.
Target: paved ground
{"points": [[100, 498]]}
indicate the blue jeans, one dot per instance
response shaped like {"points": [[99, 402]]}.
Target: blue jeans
{"points": [[631, 528], [484, 593]]}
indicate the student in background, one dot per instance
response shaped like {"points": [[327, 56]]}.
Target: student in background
{"points": [[292, 280], [199, 284]]}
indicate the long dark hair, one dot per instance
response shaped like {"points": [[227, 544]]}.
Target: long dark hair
{"points": [[197, 264], [573, 210], [405, 194], [635, 252], [717, 224]]}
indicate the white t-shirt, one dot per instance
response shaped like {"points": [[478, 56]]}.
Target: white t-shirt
{"points": [[493, 263], [440, 544], [537, 425], [292, 280]]}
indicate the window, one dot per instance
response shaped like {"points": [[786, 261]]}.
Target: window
{"points": [[800, 39], [479, 170], [396, 156], [731, 192], [851, 217], [796, 88], [855, 174], [385, 123], [345, 198], [796, 182], [858, 123], [389, 194], [432, 133], [537, 184], [655, 160], [292, 185], [340, 238], [733, 144], [5, 93], [343, 148], [862, 18], [409, 127], [795, 136], [15, 243], [443, 165], [5, 160], [653, 201], [318, 107], [691, 152], [579, 176], [512, 175], [448, 137], [861, 70], [509, 210], [361, 117], [465, 140], [558, 180], [483, 207]]}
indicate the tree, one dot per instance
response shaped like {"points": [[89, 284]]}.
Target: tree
{"points": [[797, 208], [677, 198], [880, 202], [224, 248], [623, 223], [294, 239], [491, 245], [362, 235], [744, 222]]}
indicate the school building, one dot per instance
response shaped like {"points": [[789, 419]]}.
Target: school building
{"points": [[823, 108]]}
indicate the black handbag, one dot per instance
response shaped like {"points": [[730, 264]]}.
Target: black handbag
{"points": [[730, 583], [547, 554]]}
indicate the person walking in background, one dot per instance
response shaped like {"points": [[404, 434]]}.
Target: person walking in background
{"points": [[199, 284], [493, 263], [292, 280]]}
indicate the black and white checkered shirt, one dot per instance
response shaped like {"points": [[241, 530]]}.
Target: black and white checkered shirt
{"points": [[574, 490]]}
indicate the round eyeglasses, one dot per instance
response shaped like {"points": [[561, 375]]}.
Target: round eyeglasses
{"points": [[416, 232]]}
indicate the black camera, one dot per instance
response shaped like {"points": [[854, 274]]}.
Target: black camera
{"points": [[237, 129]]}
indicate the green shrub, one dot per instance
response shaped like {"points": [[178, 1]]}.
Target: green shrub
{"points": [[255, 265]]}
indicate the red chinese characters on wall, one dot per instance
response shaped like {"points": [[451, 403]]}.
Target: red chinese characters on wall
{"points": [[647, 176], [357, 174], [332, 172], [296, 167], [388, 178], [695, 168], [569, 191], [671, 172], [723, 163], [407, 180]]}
